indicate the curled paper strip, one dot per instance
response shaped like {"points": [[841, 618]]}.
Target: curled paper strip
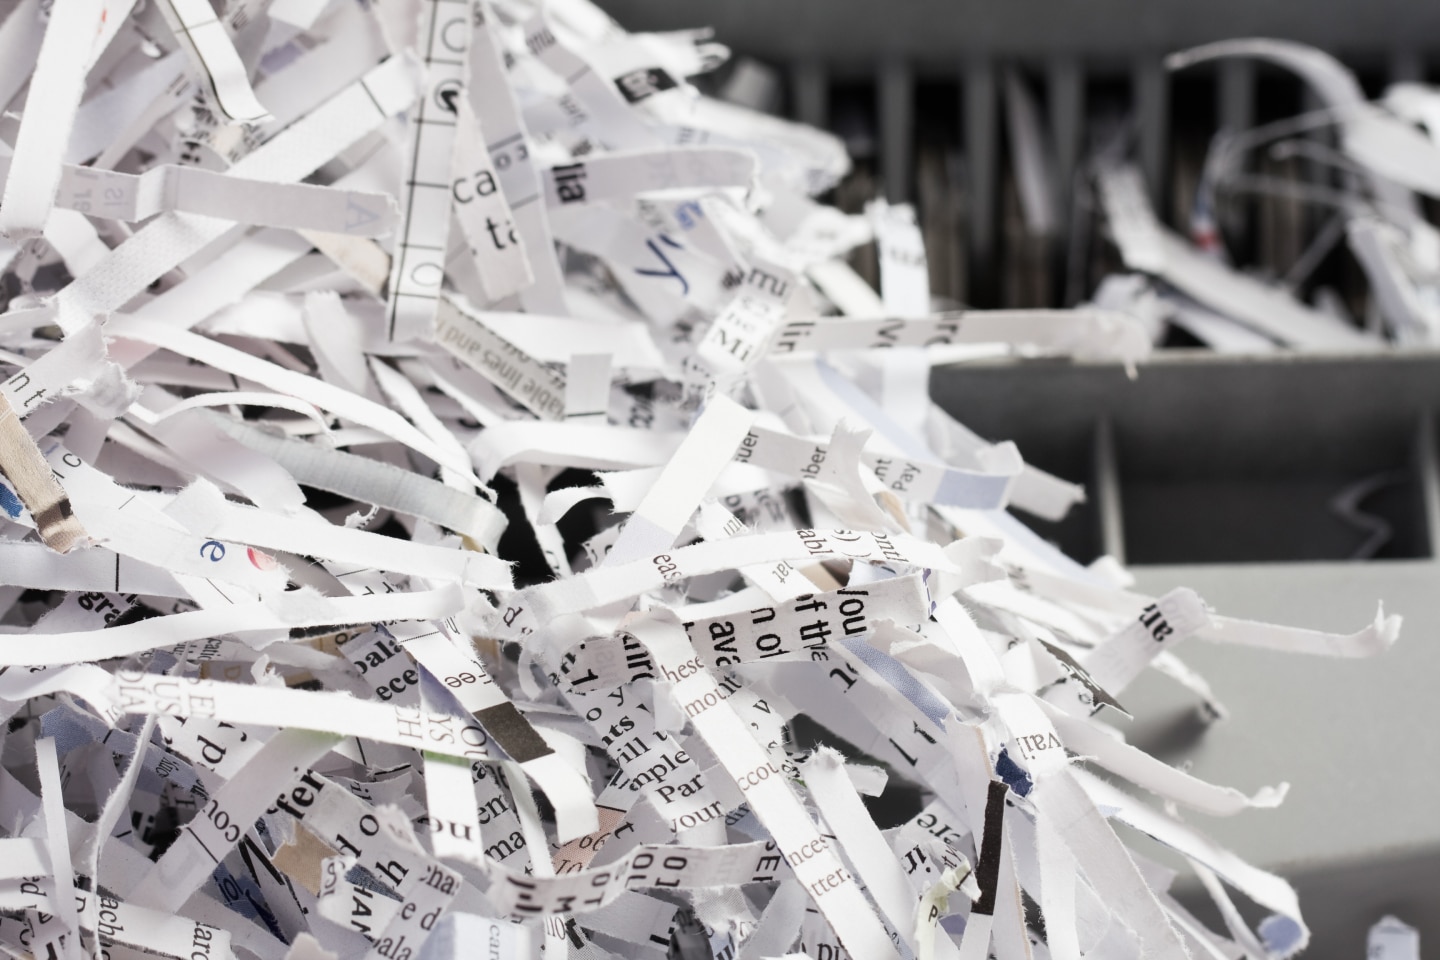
{"points": [[320, 638]]}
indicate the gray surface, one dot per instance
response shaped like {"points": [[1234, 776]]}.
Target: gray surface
{"points": [[940, 32], [1358, 741], [1343, 733], [1183, 406], [1218, 459]]}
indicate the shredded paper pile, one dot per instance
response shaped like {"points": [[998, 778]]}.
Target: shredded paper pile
{"points": [[460, 503]]}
